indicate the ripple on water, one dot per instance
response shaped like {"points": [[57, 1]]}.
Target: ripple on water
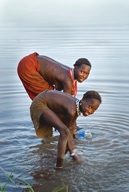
{"points": [[106, 155]]}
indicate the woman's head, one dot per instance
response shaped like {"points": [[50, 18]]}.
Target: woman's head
{"points": [[90, 102], [82, 69]]}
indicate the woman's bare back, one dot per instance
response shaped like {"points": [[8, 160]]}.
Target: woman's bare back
{"points": [[54, 72]]}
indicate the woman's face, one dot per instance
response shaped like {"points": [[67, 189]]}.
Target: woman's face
{"points": [[81, 72], [89, 106]]}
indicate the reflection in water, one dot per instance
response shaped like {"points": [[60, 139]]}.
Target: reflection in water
{"points": [[105, 42]]}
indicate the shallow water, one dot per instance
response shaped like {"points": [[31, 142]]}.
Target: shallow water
{"points": [[93, 29]]}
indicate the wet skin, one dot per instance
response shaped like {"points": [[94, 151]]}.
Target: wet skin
{"points": [[56, 74], [60, 112]]}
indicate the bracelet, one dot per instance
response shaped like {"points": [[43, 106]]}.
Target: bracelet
{"points": [[74, 152], [58, 167]]}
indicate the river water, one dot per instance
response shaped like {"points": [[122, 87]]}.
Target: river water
{"points": [[66, 30]]}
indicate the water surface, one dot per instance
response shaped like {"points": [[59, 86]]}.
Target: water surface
{"points": [[67, 31]]}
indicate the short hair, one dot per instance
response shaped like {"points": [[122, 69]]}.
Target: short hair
{"points": [[93, 94], [81, 61]]}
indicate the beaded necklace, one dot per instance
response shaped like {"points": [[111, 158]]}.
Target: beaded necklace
{"points": [[77, 107]]}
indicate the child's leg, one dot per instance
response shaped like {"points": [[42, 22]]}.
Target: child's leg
{"points": [[53, 120]]}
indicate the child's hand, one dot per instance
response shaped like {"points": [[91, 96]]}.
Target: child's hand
{"points": [[76, 155], [75, 135]]}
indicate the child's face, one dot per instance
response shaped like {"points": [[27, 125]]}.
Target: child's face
{"points": [[89, 106], [82, 72]]}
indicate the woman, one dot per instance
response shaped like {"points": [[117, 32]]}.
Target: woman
{"points": [[39, 73]]}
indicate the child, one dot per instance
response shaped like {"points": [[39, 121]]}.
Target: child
{"points": [[60, 110]]}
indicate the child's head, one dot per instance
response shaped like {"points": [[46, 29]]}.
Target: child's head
{"points": [[92, 94], [82, 69], [81, 61], [90, 102]]}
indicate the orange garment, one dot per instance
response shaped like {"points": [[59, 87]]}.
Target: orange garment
{"points": [[74, 82], [28, 70]]}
